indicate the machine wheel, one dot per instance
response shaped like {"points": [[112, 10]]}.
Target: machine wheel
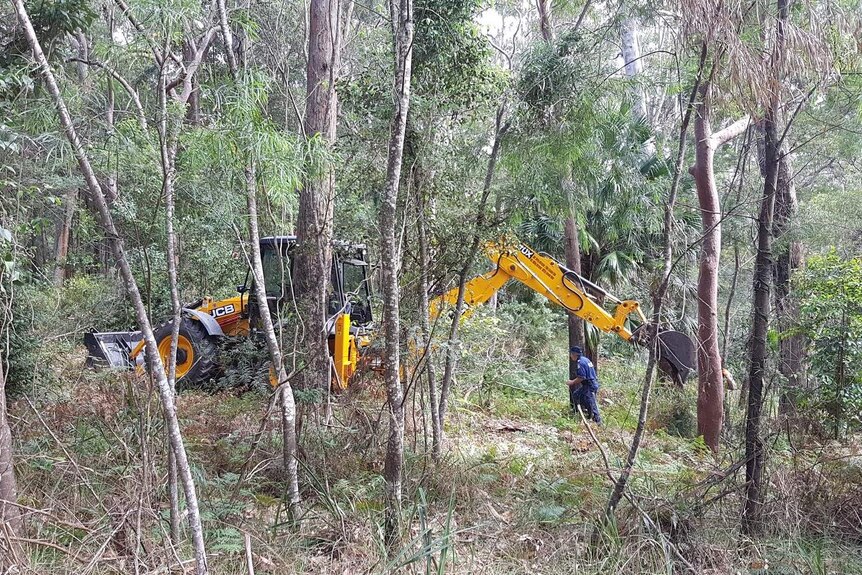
{"points": [[197, 351]]}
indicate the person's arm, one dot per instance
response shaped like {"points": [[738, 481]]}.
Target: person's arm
{"points": [[580, 376]]}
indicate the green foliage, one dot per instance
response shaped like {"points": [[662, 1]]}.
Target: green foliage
{"points": [[451, 57], [830, 291], [52, 20], [673, 410]]}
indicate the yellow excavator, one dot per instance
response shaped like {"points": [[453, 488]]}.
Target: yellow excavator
{"points": [[351, 325]]}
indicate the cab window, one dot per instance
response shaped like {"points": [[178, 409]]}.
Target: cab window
{"points": [[276, 273]]}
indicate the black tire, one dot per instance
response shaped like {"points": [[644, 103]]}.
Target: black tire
{"points": [[204, 352]]}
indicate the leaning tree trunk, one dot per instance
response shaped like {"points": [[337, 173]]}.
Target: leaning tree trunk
{"points": [[402, 29], [500, 129], [710, 394], [106, 221], [317, 195]]}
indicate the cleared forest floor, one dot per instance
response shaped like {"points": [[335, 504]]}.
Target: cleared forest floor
{"points": [[520, 490]]}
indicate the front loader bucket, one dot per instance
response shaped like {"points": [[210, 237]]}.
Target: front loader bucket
{"points": [[676, 352], [111, 348]]}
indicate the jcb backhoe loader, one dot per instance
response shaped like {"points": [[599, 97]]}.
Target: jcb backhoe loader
{"points": [[350, 315], [206, 320]]}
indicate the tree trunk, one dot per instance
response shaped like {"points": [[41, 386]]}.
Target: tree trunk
{"points": [[401, 13], [710, 397], [316, 198], [658, 299], [500, 129], [752, 520], [633, 64], [573, 262], [193, 110], [752, 513], [9, 512], [424, 314], [64, 231], [106, 221], [710, 393], [591, 343], [547, 30], [571, 243], [787, 260], [168, 136], [285, 390]]}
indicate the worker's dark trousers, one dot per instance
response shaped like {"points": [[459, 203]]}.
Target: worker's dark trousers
{"points": [[585, 396]]}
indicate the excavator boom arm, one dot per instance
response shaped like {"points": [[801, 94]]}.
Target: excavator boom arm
{"points": [[544, 275]]}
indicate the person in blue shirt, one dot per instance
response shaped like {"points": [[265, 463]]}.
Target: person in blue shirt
{"points": [[582, 389]]}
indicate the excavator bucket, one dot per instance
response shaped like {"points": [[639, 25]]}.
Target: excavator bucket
{"points": [[676, 352], [112, 348], [677, 355]]}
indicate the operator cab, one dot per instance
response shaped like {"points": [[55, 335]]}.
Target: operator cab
{"points": [[348, 286]]}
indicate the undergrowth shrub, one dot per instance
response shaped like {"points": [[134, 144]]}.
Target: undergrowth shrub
{"points": [[673, 410], [49, 322]]}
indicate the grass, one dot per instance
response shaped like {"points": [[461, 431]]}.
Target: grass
{"points": [[520, 490]]}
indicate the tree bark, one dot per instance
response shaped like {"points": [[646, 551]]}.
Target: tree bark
{"points": [[710, 396], [106, 221], [316, 198], [401, 13], [788, 259]]}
